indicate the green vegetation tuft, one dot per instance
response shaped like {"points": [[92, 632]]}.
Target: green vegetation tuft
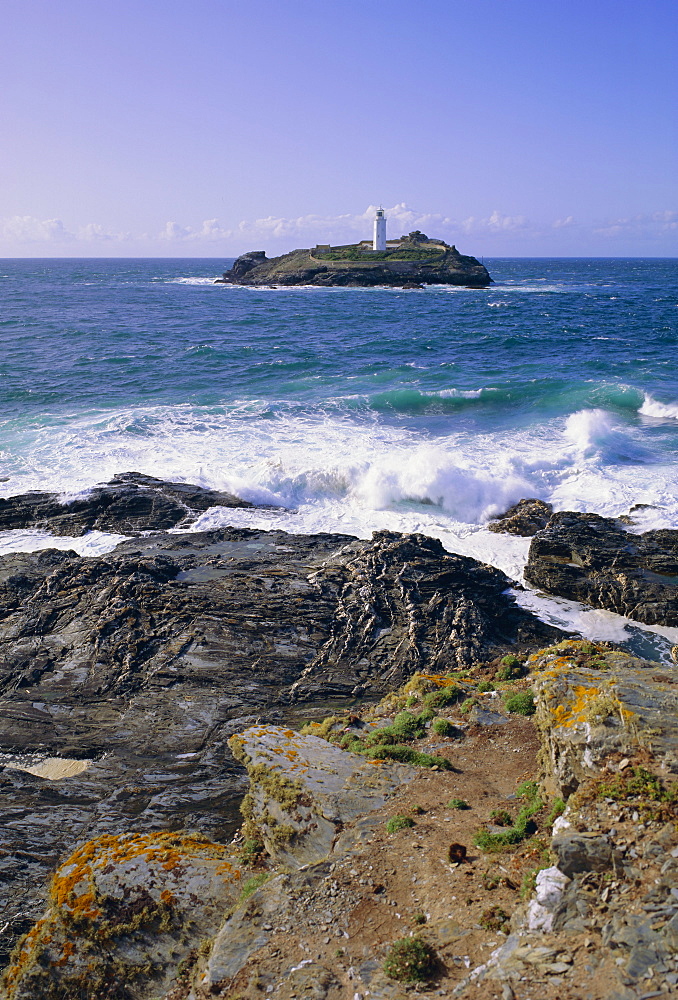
{"points": [[442, 727], [458, 804], [557, 810], [522, 827], [398, 823], [494, 919], [521, 703], [251, 850], [252, 884], [467, 705], [501, 817], [410, 960], [485, 686], [443, 696]]}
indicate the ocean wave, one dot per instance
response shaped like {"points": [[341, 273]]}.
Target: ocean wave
{"points": [[191, 281], [663, 411], [596, 434]]}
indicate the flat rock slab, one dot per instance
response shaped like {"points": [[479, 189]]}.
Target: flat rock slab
{"points": [[303, 790], [123, 913], [591, 559]]}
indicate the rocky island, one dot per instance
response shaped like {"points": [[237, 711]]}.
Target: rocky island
{"points": [[409, 262], [404, 820]]}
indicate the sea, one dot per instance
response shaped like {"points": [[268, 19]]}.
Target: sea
{"points": [[350, 410]]}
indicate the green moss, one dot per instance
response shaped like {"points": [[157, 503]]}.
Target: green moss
{"points": [[399, 823], [458, 804], [485, 686], [521, 703], [467, 705], [443, 696], [252, 884], [523, 825], [407, 755], [510, 668], [442, 727], [410, 960]]}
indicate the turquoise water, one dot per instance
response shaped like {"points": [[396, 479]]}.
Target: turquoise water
{"points": [[353, 409]]}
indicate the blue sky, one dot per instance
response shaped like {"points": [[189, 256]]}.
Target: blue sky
{"points": [[509, 127]]}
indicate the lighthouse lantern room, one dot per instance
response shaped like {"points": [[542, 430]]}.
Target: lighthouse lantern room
{"points": [[379, 230]]}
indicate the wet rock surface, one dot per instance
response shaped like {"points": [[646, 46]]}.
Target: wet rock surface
{"points": [[146, 660], [591, 559], [525, 518], [129, 504]]}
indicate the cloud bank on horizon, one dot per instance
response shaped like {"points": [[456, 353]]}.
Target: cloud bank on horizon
{"points": [[167, 129], [494, 234]]}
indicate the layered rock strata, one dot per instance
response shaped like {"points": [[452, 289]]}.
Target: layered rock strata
{"points": [[143, 662]]}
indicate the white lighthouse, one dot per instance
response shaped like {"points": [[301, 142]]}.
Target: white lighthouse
{"points": [[379, 230]]}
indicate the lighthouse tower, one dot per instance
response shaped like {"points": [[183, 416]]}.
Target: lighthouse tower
{"points": [[379, 230]]}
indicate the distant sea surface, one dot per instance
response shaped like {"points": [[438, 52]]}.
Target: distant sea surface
{"points": [[352, 409]]}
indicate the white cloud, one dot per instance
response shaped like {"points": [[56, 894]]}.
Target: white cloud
{"points": [[496, 233], [28, 229], [652, 226]]}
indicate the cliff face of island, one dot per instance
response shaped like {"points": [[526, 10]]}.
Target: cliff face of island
{"points": [[416, 261]]}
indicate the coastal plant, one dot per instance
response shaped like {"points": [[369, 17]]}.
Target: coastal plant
{"points": [[494, 919], [458, 804], [252, 884], [485, 686], [442, 727], [557, 810], [419, 918], [653, 800], [407, 755], [510, 667], [523, 825], [443, 696], [521, 703], [398, 823], [500, 817], [251, 850], [467, 705], [410, 960]]}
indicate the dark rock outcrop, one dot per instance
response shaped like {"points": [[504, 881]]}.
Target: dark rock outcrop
{"points": [[591, 559], [415, 264], [131, 502], [146, 660], [525, 518]]}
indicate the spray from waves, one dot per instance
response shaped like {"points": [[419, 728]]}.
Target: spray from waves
{"points": [[662, 411], [596, 434]]}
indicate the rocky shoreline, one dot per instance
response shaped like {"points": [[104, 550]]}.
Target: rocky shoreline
{"points": [[412, 266], [169, 671]]}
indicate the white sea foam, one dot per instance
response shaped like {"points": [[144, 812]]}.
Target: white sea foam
{"points": [[94, 543], [649, 641], [662, 411], [192, 281]]}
